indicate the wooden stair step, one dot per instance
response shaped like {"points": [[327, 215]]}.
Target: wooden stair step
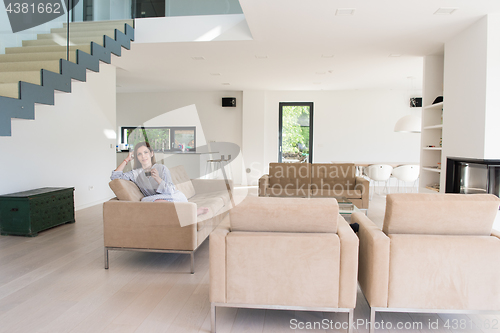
{"points": [[14, 77], [62, 41], [44, 49], [79, 34], [43, 56], [110, 23], [9, 90], [25, 66]]}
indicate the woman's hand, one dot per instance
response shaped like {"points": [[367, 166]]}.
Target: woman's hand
{"points": [[156, 175], [130, 156], [127, 159]]}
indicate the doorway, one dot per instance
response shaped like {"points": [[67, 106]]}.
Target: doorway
{"points": [[295, 132]]}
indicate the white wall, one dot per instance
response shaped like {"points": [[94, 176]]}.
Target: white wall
{"points": [[200, 109], [192, 28], [355, 126], [465, 67], [471, 86], [67, 145], [492, 116]]}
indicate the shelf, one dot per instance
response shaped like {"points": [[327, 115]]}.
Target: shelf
{"points": [[437, 106], [434, 127], [431, 169], [432, 189], [426, 190], [432, 148]]}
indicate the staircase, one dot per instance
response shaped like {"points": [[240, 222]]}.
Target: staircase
{"points": [[31, 73]]}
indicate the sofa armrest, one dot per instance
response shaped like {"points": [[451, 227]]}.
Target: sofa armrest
{"points": [[217, 255], [263, 185], [363, 184], [349, 245], [495, 233], [374, 247], [153, 225], [210, 185]]}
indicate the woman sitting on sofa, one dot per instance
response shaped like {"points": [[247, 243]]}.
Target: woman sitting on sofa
{"points": [[153, 179]]}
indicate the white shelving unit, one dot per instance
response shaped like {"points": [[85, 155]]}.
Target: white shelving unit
{"points": [[431, 157]]}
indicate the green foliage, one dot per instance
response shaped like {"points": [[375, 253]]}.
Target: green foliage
{"points": [[156, 137], [293, 133]]}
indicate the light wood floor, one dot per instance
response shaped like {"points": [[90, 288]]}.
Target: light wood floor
{"points": [[56, 282]]}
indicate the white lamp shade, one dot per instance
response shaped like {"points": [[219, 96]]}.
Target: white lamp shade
{"points": [[410, 124]]}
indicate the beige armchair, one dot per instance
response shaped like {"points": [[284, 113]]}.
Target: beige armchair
{"points": [[436, 253], [284, 253]]}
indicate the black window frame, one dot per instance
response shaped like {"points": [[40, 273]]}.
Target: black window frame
{"points": [[280, 127], [172, 130]]}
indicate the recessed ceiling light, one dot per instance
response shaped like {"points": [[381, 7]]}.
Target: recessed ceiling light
{"points": [[445, 11], [345, 11], [226, 84], [394, 55], [327, 56], [215, 74], [320, 73], [198, 58], [261, 56]]}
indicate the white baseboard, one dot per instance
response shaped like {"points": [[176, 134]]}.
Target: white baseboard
{"points": [[93, 203]]}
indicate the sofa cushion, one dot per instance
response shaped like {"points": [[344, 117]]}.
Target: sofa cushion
{"points": [[280, 191], [224, 195], [182, 181], [337, 176], [125, 190], [440, 214], [214, 203], [290, 175], [285, 215]]}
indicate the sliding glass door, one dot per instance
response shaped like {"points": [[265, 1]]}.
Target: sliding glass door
{"points": [[295, 132]]}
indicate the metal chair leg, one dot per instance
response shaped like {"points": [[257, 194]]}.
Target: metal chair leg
{"points": [[192, 262], [372, 320], [106, 258], [351, 320], [212, 317]]}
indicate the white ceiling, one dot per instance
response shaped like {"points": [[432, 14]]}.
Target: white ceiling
{"points": [[295, 35]]}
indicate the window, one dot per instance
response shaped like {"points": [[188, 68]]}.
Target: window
{"points": [[295, 132], [161, 138]]}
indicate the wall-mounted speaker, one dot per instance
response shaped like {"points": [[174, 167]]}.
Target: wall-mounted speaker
{"points": [[416, 102], [229, 102]]}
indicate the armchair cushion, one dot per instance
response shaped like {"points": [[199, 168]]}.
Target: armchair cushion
{"points": [[444, 272], [298, 270], [182, 181], [125, 190], [298, 215], [438, 214]]}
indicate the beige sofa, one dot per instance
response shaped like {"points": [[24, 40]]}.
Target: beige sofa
{"points": [[284, 253], [130, 224], [436, 253], [315, 180]]}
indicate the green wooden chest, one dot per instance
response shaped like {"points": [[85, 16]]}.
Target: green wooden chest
{"points": [[29, 212]]}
